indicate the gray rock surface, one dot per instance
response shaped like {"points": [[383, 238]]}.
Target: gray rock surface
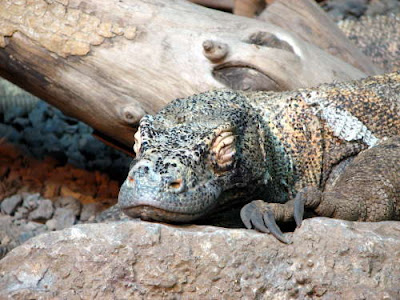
{"points": [[10, 204], [70, 203], [63, 218], [31, 201], [44, 211], [21, 213], [330, 259], [15, 232], [90, 211]]}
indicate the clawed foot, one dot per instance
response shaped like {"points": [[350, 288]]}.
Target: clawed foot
{"points": [[298, 212], [260, 215], [309, 197]]}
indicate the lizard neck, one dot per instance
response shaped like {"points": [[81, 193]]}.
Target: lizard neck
{"points": [[295, 136]]}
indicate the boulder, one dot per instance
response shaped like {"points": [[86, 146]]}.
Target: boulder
{"points": [[90, 211], [69, 203], [44, 211], [10, 204], [330, 259], [63, 218]]}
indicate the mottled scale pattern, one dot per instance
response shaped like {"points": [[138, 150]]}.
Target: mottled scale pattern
{"points": [[368, 191], [283, 142], [298, 131], [378, 37], [370, 108], [319, 127]]}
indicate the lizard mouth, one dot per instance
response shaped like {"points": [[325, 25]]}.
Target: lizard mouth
{"points": [[151, 213]]}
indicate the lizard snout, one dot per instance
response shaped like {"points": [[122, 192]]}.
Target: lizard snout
{"points": [[175, 185]]}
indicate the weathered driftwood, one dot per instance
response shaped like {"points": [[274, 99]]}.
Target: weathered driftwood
{"points": [[225, 5], [109, 62], [248, 8], [310, 22]]}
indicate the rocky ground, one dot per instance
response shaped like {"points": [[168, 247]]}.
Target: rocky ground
{"points": [[53, 172], [329, 259], [38, 196], [40, 130]]}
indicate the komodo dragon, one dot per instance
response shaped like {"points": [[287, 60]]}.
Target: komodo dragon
{"points": [[334, 150]]}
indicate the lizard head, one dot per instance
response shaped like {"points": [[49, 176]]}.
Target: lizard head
{"points": [[192, 157]]}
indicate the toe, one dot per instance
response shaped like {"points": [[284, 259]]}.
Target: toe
{"points": [[269, 220], [260, 216], [299, 209]]}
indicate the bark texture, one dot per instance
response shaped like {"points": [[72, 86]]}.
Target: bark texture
{"points": [[312, 24], [109, 62]]}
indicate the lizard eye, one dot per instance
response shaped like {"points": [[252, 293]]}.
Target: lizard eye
{"points": [[223, 149], [138, 142]]}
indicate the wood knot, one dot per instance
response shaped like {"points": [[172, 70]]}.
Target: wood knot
{"points": [[132, 114], [215, 51]]}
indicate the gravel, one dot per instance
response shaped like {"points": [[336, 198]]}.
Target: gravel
{"points": [[42, 130]]}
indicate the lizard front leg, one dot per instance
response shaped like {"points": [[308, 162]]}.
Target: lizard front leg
{"points": [[367, 190], [262, 215]]}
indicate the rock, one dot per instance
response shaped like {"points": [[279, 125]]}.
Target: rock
{"points": [[31, 201], [51, 144], [54, 126], [88, 144], [10, 204], [33, 138], [63, 218], [21, 213], [43, 212], [70, 203], [12, 113], [22, 122], [329, 259], [51, 224], [9, 133], [37, 116], [90, 211], [14, 232], [66, 140]]}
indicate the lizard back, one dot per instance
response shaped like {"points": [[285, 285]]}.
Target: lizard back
{"points": [[318, 127]]}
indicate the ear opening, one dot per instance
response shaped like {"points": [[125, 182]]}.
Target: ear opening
{"points": [[223, 148]]}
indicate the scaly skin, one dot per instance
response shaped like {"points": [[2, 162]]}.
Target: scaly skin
{"points": [[378, 37], [205, 152]]}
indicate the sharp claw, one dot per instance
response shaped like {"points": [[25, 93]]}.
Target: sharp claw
{"points": [[298, 209], [258, 222], [269, 220], [245, 215]]}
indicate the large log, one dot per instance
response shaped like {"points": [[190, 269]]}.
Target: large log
{"points": [[310, 22], [109, 62]]}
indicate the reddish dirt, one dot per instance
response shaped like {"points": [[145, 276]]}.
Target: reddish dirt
{"points": [[21, 173]]}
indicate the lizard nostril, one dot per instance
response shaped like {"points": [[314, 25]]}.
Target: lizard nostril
{"points": [[176, 183]]}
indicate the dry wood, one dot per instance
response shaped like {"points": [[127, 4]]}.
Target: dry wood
{"points": [[248, 8], [312, 24], [226, 5], [108, 62]]}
